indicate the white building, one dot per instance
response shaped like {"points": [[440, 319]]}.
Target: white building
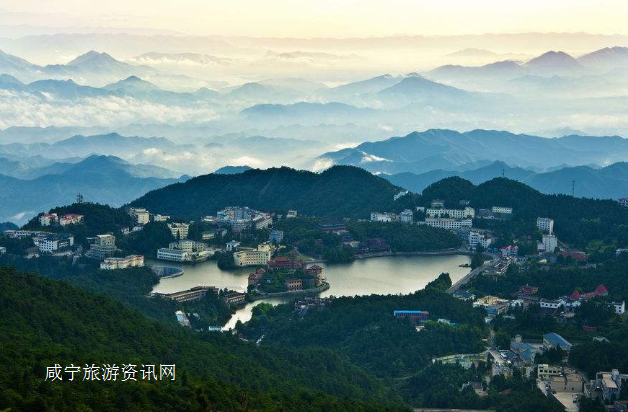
{"points": [[55, 242], [551, 304], [101, 246], [179, 230], [174, 255], [291, 214], [253, 257], [262, 221], [114, 263], [545, 224], [140, 215], [383, 217], [477, 238], [550, 242], [466, 213], [3, 250], [502, 210], [619, 307], [161, 218], [232, 246], [188, 245], [447, 223], [406, 216], [437, 203], [400, 194]]}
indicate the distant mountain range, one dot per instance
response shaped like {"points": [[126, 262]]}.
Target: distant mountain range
{"points": [[81, 146], [610, 182], [101, 179], [449, 150]]}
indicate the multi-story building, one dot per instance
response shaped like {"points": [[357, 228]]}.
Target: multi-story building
{"points": [[194, 293], [416, 316], [234, 299], [545, 371], [553, 340], [232, 246], [48, 219], [509, 251], [550, 242], [447, 223], [101, 246], [275, 236], [173, 255], [624, 201], [618, 307], [55, 243], [291, 214], [406, 216], [179, 230], [501, 210], [252, 257], [477, 238], [71, 219], [610, 383], [545, 224], [23, 234], [140, 215], [551, 304], [114, 263], [262, 221], [466, 213], [294, 284]]}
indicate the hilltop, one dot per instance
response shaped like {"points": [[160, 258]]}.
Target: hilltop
{"points": [[335, 193]]}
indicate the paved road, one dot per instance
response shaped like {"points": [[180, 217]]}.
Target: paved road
{"points": [[471, 275]]}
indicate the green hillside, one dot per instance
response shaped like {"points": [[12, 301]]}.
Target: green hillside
{"points": [[341, 191], [46, 322]]}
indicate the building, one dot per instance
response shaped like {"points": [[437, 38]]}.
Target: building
{"points": [[252, 257], [3, 250], [447, 223], [234, 299], [294, 284], [545, 371], [331, 226], [161, 218], [173, 255], [140, 215], [56, 242], [416, 316], [509, 251], [550, 243], [526, 351], [71, 219], [566, 383], [101, 246], [23, 234], [618, 307], [466, 213], [501, 210], [609, 384], [48, 219], [553, 340], [383, 217], [477, 238], [179, 230], [406, 216], [624, 201], [188, 245], [464, 295], [195, 293], [256, 277], [232, 246], [131, 261], [275, 236], [289, 263], [551, 304], [291, 214], [545, 224], [437, 203]]}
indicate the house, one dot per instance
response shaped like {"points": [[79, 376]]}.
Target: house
{"points": [[553, 340]]}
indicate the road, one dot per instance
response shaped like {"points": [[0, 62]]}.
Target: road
{"points": [[471, 275]]}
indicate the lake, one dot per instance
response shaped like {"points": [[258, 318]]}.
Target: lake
{"points": [[382, 275]]}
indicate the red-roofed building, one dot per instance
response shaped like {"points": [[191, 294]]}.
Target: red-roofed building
{"points": [[290, 262], [578, 256], [255, 277], [601, 291], [575, 295]]}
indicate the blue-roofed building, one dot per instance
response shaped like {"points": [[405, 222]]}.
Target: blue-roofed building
{"points": [[526, 351], [553, 340]]}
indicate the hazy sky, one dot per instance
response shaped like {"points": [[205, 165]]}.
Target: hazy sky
{"points": [[325, 18]]}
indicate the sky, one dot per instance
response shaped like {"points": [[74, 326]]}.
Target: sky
{"points": [[324, 18]]}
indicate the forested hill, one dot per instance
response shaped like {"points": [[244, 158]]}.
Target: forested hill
{"points": [[46, 322], [341, 191], [577, 220]]}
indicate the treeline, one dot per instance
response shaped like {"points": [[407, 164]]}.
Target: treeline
{"points": [[578, 221], [404, 237], [46, 322], [338, 192]]}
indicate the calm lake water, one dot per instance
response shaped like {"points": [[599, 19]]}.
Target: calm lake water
{"points": [[382, 275]]}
